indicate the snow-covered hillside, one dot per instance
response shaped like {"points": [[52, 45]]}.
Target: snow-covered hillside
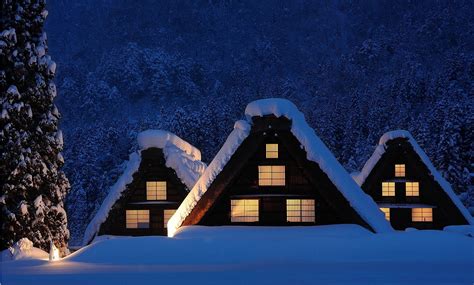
{"points": [[248, 255]]}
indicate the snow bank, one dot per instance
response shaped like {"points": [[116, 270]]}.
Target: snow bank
{"points": [[467, 230], [316, 151], [23, 249], [181, 156], [380, 150]]}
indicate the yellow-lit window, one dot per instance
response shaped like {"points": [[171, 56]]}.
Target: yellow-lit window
{"points": [[300, 210], [399, 170], [271, 150], [412, 188], [138, 219], [244, 210], [386, 211], [271, 175], [167, 215], [422, 215], [388, 188], [156, 190]]}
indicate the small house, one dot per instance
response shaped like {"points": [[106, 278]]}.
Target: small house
{"points": [[156, 179], [407, 187], [274, 171]]}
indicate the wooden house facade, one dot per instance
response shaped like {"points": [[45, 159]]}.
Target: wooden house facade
{"points": [[157, 183], [407, 188], [262, 177]]}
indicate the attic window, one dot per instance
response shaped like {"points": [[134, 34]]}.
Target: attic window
{"points": [[271, 175], [298, 210], [412, 188], [156, 190], [166, 216], [422, 215], [399, 170], [271, 150], [244, 211], [388, 188], [138, 219], [386, 211]]}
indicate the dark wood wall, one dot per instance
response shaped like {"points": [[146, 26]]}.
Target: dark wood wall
{"points": [[400, 151], [304, 180], [152, 168]]}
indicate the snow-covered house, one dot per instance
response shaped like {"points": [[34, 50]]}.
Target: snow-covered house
{"points": [[274, 170], [156, 179], [407, 187]]}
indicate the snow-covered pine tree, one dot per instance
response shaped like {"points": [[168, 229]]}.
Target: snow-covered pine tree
{"points": [[32, 186]]}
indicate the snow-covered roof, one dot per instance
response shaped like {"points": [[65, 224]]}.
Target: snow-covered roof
{"points": [[382, 147], [316, 151], [181, 156]]}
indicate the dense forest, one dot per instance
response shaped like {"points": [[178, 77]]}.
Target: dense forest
{"points": [[356, 69]]}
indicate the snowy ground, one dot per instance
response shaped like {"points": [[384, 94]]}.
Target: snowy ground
{"points": [[247, 255]]}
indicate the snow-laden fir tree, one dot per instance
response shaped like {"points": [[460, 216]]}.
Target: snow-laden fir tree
{"points": [[32, 186]]}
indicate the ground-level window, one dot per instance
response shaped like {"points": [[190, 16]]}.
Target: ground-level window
{"points": [[271, 175], [386, 211], [244, 210], [156, 190], [138, 219], [271, 150], [412, 189], [399, 170], [300, 210], [167, 215], [388, 188], [422, 215]]}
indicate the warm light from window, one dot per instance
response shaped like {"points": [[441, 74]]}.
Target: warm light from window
{"points": [[388, 188], [167, 215], [386, 211], [138, 219], [271, 175], [156, 190], [422, 215], [244, 210], [271, 150], [412, 188], [300, 210], [399, 170]]}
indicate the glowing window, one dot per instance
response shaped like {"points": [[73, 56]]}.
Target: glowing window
{"points": [[271, 150], [166, 216], [271, 175], [300, 210], [138, 219], [156, 190], [244, 211], [399, 170], [388, 188], [386, 211], [412, 188], [422, 215]]}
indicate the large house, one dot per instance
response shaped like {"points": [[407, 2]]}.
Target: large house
{"points": [[274, 171], [407, 187], [156, 180]]}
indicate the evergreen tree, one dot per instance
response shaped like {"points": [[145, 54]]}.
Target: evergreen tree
{"points": [[32, 185]]}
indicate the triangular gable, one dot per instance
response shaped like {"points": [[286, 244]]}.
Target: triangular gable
{"points": [[316, 152], [180, 156], [380, 150]]}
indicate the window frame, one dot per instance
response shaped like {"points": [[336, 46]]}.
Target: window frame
{"points": [[166, 218], [243, 210], [411, 190], [271, 153], [421, 218], [135, 214], [400, 170], [271, 180], [299, 208], [159, 194], [388, 192], [386, 212]]}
